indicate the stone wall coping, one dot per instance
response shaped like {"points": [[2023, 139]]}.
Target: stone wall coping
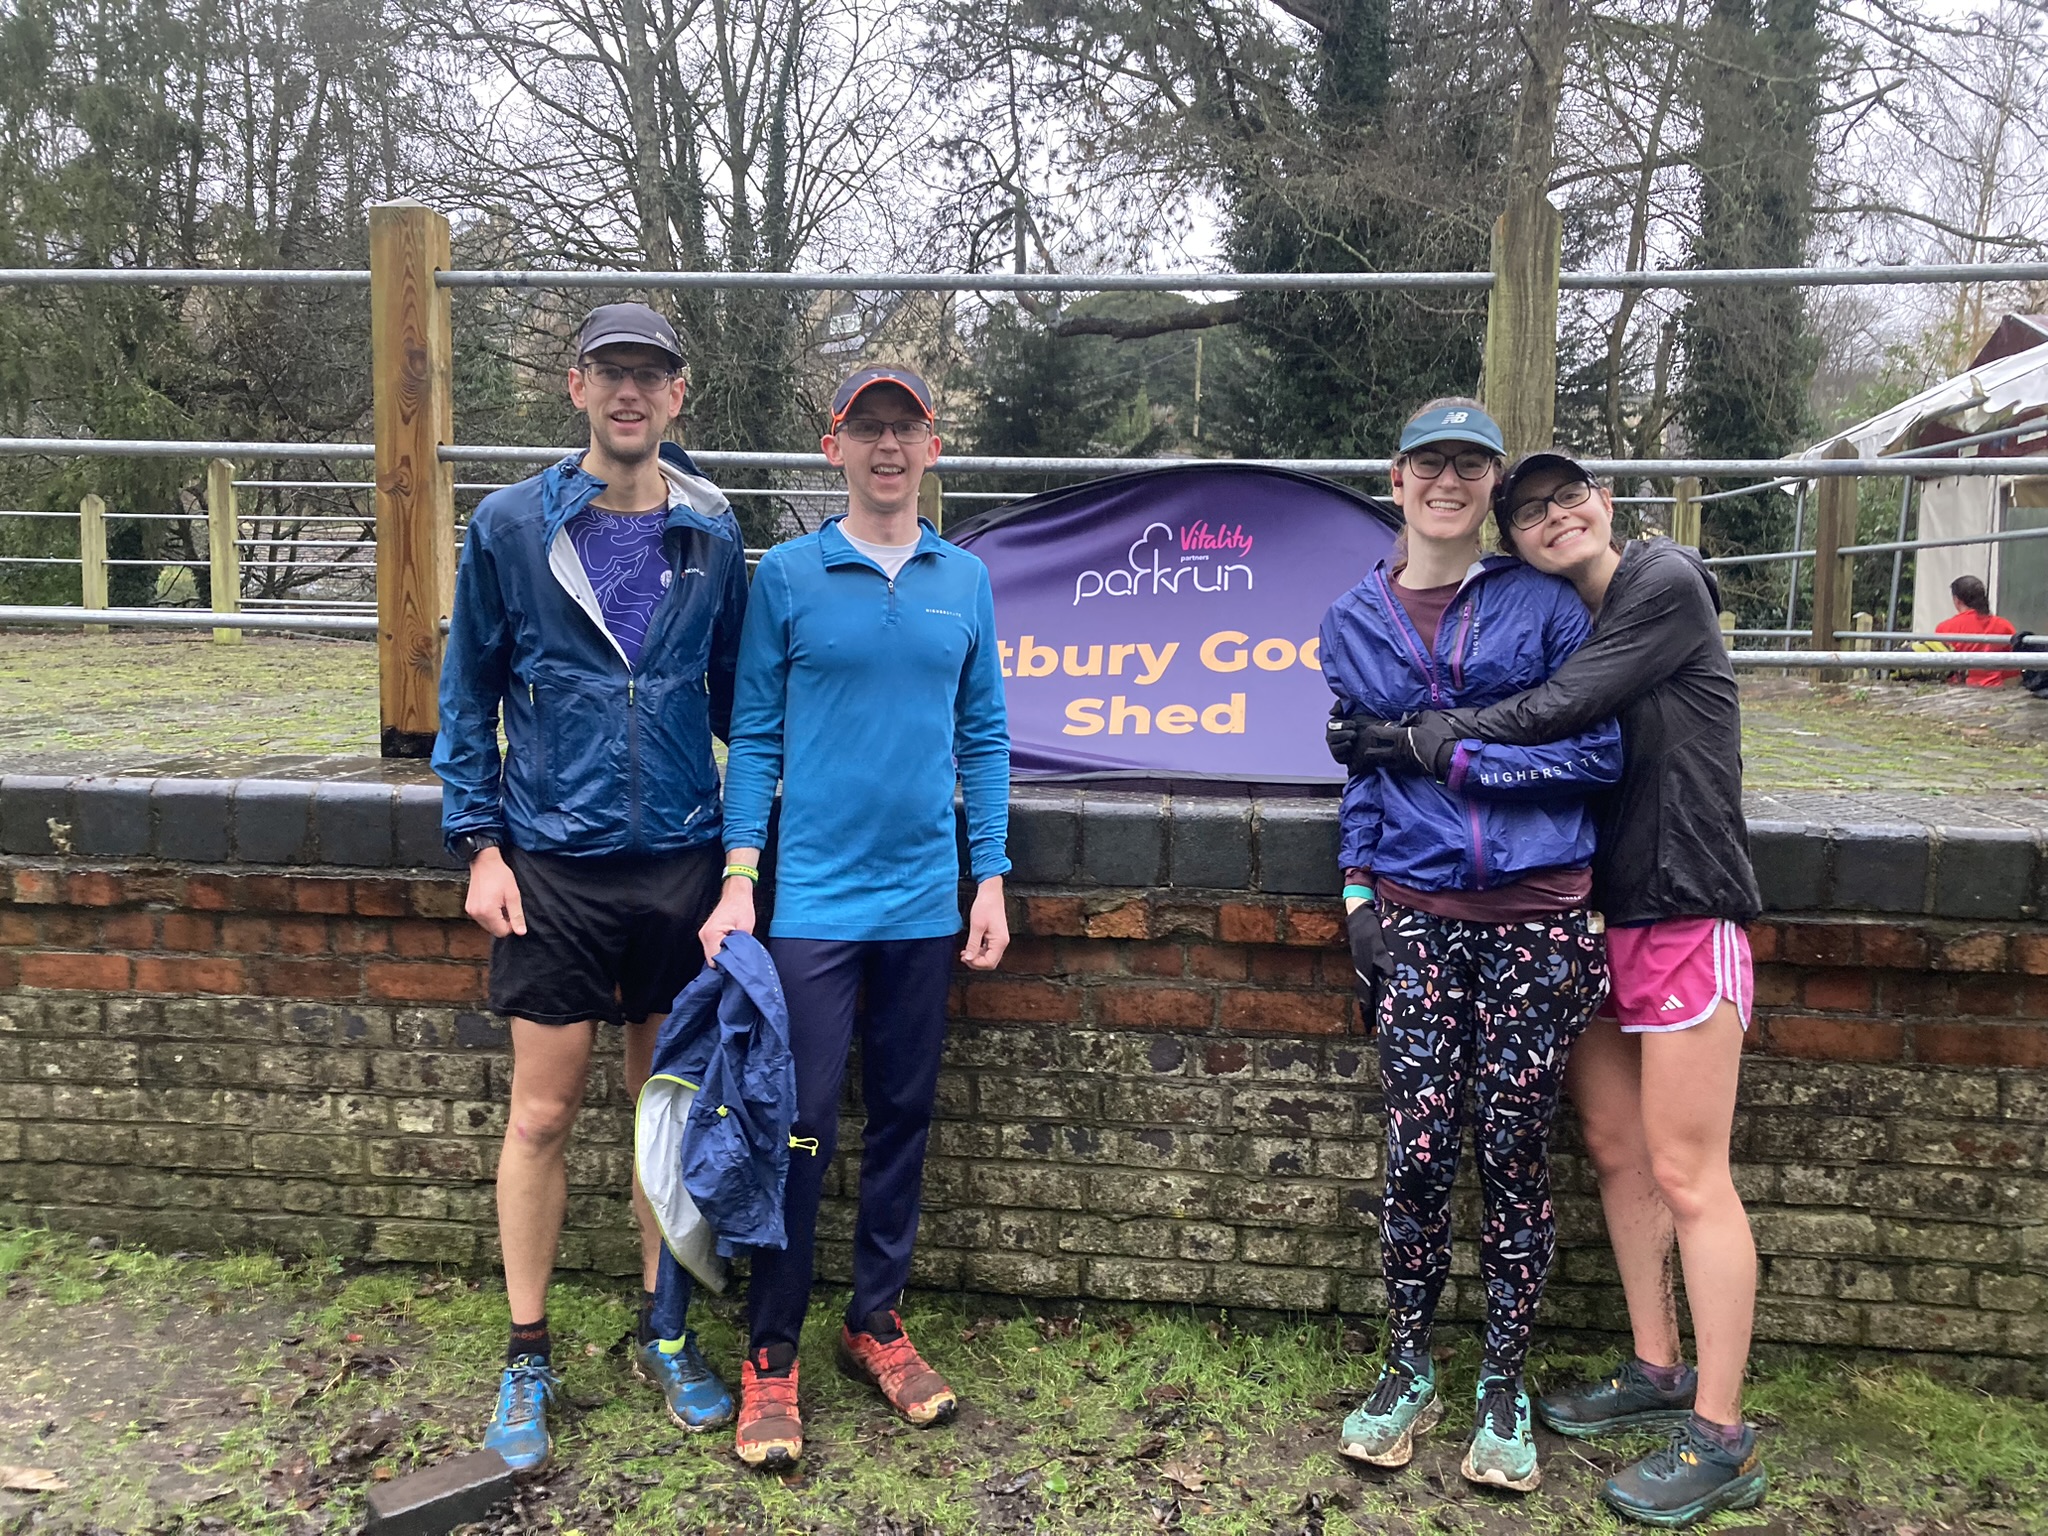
{"points": [[1834, 857]]}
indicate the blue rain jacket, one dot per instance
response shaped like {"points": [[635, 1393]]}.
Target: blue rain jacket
{"points": [[729, 1036], [1504, 812], [601, 757]]}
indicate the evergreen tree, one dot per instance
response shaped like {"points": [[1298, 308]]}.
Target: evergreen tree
{"points": [[1749, 354]]}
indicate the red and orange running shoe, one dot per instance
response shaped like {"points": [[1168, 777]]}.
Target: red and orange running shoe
{"points": [[893, 1366], [771, 1430]]}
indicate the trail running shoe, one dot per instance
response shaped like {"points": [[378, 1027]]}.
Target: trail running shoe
{"points": [[1627, 1399], [1503, 1449], [519, 1425], [1692, 1477], [771, 1430], [1403, 1404], [696, 1398], [898, 1371]]}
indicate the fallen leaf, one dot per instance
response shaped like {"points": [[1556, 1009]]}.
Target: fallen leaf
{"points": [[1148, 1448], [31, 1480], [1185, 1476], [1172, 1392]]}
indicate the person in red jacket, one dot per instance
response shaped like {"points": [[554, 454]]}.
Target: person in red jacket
{"points": [[1973, 616]]}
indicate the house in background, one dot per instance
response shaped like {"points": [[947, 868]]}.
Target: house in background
{"points": [[2005, 386]]}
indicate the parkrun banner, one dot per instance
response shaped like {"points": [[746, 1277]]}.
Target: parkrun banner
{"points": [[1163, 624]]}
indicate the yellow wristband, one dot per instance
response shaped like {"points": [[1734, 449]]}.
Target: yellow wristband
{"points": [[745, 871]]}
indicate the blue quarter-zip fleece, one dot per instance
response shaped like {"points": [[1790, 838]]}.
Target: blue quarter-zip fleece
{"points": [[1506, 812], [602, 757], [869, 698]]}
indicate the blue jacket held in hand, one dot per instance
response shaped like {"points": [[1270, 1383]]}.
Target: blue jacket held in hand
{"points": [[728, 1038], [601, 756], [1504, 812]]}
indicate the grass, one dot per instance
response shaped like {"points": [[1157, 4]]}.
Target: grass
{"points": [[76, 703], [252, 1395]]}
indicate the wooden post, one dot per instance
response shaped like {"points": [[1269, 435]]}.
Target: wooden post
{"points": [[1685, 510], [92, 556], [931, 501], [412, 367], [1833, 526], [1727, 630], [223, 528], [1519, 384]]}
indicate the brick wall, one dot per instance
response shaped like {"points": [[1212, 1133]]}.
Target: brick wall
{"points": [[1160, 1097]]}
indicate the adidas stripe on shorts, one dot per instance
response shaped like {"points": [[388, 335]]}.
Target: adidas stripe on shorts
{"points": [[1672, 975]]}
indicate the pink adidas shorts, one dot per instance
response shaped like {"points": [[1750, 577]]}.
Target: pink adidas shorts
{"points": [[1671, 975]]}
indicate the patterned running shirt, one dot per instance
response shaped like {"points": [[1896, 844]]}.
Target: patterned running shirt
{"points": [[621, 553]]}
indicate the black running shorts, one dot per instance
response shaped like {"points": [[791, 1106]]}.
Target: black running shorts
{"points": [[612, 937]]}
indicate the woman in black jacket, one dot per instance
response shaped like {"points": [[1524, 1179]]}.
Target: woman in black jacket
{"points": [[1654, 1079]]}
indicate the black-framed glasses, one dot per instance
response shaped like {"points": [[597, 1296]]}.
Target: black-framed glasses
{"points": [[1573, 493], [866, 429], [649, 376], [1470, 463]]}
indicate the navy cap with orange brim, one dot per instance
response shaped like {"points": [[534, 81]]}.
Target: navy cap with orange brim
{"points": [[865, 379]]}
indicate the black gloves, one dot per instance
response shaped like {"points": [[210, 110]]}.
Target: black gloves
{"points": [[1425, 742], [1371, 961]]}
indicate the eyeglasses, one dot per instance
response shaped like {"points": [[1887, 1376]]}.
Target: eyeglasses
{"points": [[865, 429], [649, 377], [1573, 493], [1471, 464]]}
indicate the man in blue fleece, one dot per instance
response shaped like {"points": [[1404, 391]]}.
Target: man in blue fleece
{"points": [[869, 685]]}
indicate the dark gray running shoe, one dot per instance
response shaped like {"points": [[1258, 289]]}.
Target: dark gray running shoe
{"points": [[1626, 1399]]}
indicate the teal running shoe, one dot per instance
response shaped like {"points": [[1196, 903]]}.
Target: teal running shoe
{"points": [[1692, 1477], [1626, 1400], [1503, 1449], [697, 1399], [1403, 1404], [519, 1424]]}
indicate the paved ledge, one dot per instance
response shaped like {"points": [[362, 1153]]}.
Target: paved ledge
{"points": [[1900, 854]]}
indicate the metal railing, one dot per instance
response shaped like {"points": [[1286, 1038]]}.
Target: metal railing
{"points": [[403, 292]]}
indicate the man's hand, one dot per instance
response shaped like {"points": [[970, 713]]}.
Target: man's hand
{"points": [[988, 927], [493, 901], [735, 910]]}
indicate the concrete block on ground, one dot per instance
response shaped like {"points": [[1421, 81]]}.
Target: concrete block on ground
{"points": [[434, 1501]]}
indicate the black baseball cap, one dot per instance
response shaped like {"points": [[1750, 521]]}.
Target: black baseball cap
{"points": [[627, 325], [1518, 474], [866, 378]]}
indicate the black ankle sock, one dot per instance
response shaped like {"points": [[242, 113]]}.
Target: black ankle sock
{"points": [[774, 1359], [643, 1332], [530, 1339], [880, 1325]]}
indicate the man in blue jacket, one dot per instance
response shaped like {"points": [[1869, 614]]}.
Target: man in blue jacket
{"points": [[598, 607], [869, 685]]}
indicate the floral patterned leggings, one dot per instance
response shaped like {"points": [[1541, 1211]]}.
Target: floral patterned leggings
{"points": [[1496, 1006]]}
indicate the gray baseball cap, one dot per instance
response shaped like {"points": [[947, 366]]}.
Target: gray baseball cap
{"points": [[627, 325]]}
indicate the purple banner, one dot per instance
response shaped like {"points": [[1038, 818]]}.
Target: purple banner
{"points": [[1163, 624]]}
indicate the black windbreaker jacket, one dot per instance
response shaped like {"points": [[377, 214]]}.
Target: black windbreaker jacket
{"points": [[1672, 842]]}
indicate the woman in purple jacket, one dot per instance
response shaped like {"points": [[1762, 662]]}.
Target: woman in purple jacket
{"points": [[1466, 887]]}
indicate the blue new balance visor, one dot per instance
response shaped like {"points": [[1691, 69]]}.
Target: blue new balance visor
{"points": [[1454, 424]]}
